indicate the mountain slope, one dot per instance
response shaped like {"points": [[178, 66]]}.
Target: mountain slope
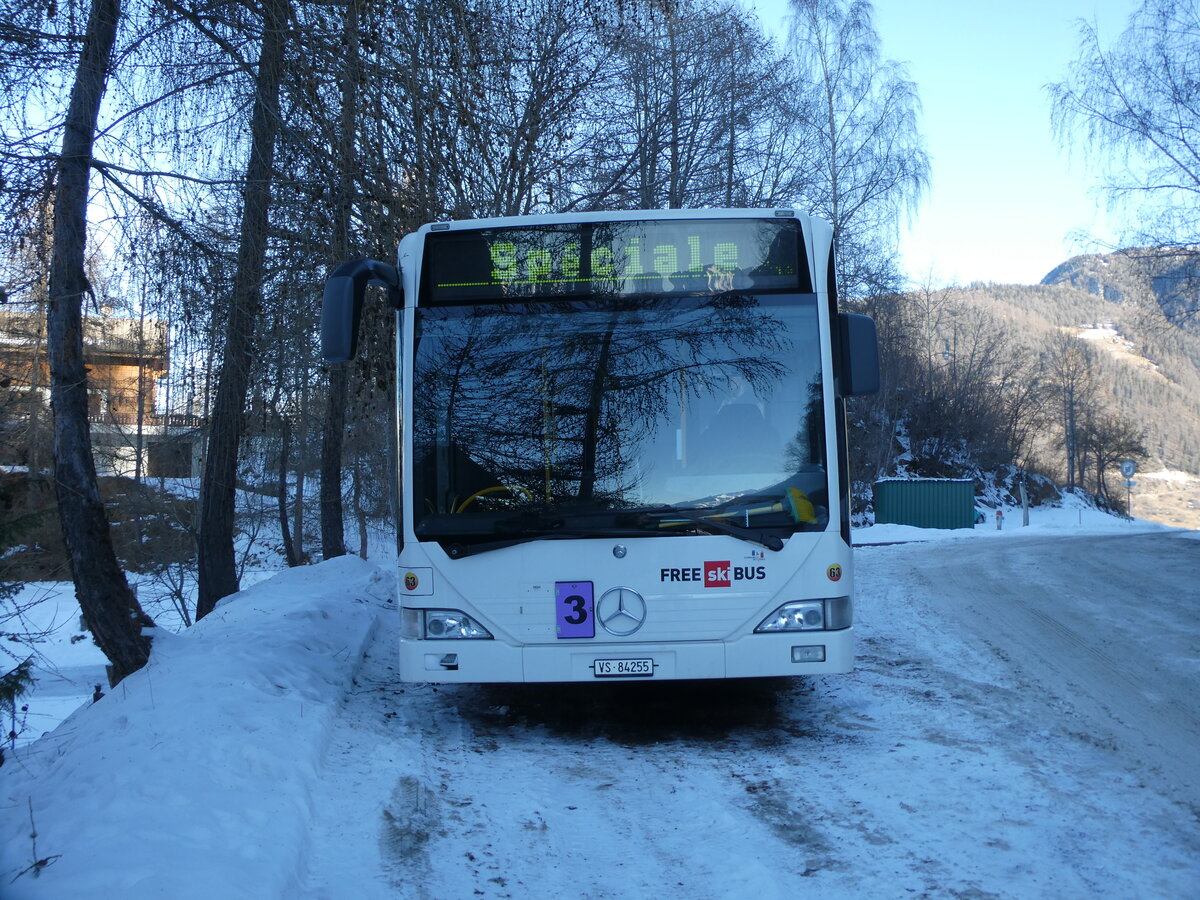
{"points": [[1128, 306], [1134, 308]]}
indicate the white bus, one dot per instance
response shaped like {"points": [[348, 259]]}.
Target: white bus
{"points": [[622, 444]]}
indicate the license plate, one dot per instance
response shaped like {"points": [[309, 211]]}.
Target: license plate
{"points": [[624, 668]]}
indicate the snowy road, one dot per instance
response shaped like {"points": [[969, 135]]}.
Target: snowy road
{"points": [[1099, 631], [1023, 722]]}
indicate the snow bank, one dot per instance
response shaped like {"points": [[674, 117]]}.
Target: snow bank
{"points": [[1072, 517], [236, 711]]}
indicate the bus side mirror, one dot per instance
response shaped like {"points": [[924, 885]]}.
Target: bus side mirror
{"points": [[860, 355], [341, 306]]}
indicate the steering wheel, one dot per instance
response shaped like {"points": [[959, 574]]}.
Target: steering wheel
{"points": [[492, 490]]}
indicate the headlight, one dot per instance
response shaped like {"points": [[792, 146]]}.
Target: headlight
{"points": [[830, 614], [451, 624], [806, 615]]}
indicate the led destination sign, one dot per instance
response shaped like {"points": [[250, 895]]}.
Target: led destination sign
{"points": [[706, 256]]}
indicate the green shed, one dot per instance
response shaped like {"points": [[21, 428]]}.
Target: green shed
{"points": [[925, 502]]}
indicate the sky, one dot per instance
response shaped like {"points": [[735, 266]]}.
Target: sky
{"points": [[1007, 201]]}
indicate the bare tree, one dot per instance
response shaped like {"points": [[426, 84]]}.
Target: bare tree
{"points": [[698, 112], [217, 565], [958, 390], [112, 612], [1106, 439], [333, 541], [1134, 103], [1072, 382], [871, 166]]}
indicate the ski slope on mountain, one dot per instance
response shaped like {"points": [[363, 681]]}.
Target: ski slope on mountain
{"points": [[1022, 723]]}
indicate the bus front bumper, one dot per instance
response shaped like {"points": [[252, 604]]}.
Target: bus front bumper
{"points": [[752, 656]]}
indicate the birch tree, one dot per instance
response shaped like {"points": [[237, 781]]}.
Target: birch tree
{"points": [[870, 167], [1134, 104]]}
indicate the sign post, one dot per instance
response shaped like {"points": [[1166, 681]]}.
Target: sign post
{"points": [[1129, 469]]}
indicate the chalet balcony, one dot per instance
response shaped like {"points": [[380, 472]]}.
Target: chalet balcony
{"points": [[128, 361], [154, 421]]}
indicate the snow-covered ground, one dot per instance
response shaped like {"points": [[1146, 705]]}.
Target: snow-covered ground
{"points": [[194, 777], [1023, 722], [1099, 333]]}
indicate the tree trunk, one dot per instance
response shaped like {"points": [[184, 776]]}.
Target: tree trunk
{"points": [[139, 469], [216, 563], [298, 508], [285, 531], [109, 607], [333, 539], [333, 528], [1070, 429], [360, 514]]}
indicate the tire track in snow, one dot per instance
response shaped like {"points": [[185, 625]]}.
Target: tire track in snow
{"points": [[952, 762], [599, 803]]}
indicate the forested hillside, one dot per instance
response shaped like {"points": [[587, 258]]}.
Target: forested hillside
{"points": [[1063, 379], [1150, 365]]}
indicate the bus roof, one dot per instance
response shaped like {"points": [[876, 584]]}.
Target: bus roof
{"points": [[616, 215]]}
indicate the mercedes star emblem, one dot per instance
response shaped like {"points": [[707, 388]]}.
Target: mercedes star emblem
{"points": [[621, 611]]}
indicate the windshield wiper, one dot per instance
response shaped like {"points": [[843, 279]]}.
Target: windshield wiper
{"points": [[534, 526], [713, 526], [458, 550], [529, 522]]}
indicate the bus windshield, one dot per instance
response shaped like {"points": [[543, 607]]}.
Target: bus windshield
{"points": [[618, 415]]}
